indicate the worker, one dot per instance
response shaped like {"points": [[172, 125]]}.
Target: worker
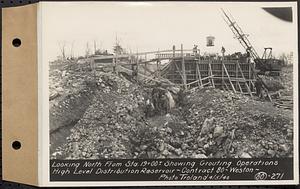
{"points": [[164, 104], [149, 110], [195, 49], [223, 51], [260, 91]]}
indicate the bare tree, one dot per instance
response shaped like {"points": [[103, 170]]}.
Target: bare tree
{"points": [[62, 47], [87, 50], [95, 47], [72, 50]]}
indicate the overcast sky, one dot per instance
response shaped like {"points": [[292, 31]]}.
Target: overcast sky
{"points": [[149, 26]]}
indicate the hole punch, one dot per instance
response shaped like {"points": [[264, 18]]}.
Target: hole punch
{"points": [[16, 42], [16, 145]]}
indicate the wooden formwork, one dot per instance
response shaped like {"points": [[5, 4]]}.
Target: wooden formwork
{"points": [[228, 74], [188, 69]]}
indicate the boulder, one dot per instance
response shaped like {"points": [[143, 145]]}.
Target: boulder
{"points": [[207, 126], [245, 155], [218, 131]]}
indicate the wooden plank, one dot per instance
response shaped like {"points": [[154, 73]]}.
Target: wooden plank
{"points": [[202, 79], [198, 70], [233, 79], [225, 69], [147, 77], [240, 87], [205, 84], [247, 86], [210, 74], [236, 74], [197, 76], [222, 76], [182, 77], [226, 86]]}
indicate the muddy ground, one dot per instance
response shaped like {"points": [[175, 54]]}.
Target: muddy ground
{"points": [[96, 115]]}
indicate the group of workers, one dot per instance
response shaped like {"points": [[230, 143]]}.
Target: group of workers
{"points": [[161, 101]]}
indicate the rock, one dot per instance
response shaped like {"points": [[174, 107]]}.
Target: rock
{"points": [[169, 130], [281, 141], [178, 152], [170, 147], [161, 147], [184, 146], [218, 131], [207, 126], [143, 147], [181, 133], [200, 156], [165, 153], [271, 152], [245, 155], [284, 147]]}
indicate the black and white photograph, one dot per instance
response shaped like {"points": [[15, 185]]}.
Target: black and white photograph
{"points": [[168, 80]]}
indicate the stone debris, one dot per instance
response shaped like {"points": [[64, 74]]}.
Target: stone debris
{"points": [[110, 120]]}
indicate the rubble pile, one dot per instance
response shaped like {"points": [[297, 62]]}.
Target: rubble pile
{"points": [[105, 127], [215, 124], [71, 92], [66, 79], [287, 79], [109, 121], [285, 99], [232, 125], [272, 83]]}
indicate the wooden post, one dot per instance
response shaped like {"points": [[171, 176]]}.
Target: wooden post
{"points": [[182, 77], [236, 74], [222, 72], [198, 70], [210, 73], [240, 87], [247, 86], [226, 86], [114, 63], [225, 69], [183, 68], [249, 77], [137, 67]]}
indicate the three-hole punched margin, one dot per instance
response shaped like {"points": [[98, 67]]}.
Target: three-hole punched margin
{"points": [[16, 144]]}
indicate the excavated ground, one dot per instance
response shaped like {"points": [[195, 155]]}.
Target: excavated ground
{"points": [[102, 115]]}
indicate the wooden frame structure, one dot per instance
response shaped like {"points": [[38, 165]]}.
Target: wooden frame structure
{"points": [[186, 68]]}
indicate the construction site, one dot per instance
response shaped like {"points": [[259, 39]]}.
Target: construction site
{"points": [[174, 103]]}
